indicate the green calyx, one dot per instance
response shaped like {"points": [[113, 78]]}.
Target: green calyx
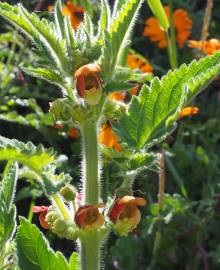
{"points": [[61, 109], [114, 110], [68, 193], [123, 228]]}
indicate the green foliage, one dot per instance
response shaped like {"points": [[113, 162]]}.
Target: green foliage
{"points": [[159, 105], [141, 161], [45, 74], [105, 19], [27, 154], [39, 159], [116, 40], [7, 208], [33, 250], [74, 263], [40, 32], [7, 214]]}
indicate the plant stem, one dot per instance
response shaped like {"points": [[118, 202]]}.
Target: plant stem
{"points": [[61, 206], [90, 163], [89, 251], [171, 40], [90, 240], [30, 213], [206, 20], [176, 176], [158, 236]]}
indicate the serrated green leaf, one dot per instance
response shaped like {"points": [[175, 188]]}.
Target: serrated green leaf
{"points": [[27, 154], [74, 262], [117, 6], [153, 113], [8, 184], [119, 34], [140, 161], [7, 209], [105, 18], [46, 74], [41, 32], [59, 20], [33, 250]]}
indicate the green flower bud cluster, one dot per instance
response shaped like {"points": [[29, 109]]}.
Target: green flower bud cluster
{"points": [[61, 109], [61, 227], [114, 110]]}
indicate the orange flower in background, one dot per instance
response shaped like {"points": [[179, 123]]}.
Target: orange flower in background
{"points": [[182, 23], [88, 217], [134, 90], [125, 213], [50, 8], [76, 13], [42, 211], [136, 61], [208, 47], [73, 133], [188, 111], [119, 96], [109, 138]]}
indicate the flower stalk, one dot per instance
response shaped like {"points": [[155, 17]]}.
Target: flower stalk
{"points": [[171, 40], [90, 251], [90, 163]]}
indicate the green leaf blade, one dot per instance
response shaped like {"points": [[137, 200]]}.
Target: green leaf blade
{"points": [[152, 115], [33, 249]]}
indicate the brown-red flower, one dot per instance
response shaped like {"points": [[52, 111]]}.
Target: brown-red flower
{"points": [[42, 210], [125, 213], [88, 82], [89, 217]]}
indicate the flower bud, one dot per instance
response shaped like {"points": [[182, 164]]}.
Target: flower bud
{"points": [[89, 217], [61, 227], [61, 109], [114, 110], [88, 83], [125, 214], [68, 193]]}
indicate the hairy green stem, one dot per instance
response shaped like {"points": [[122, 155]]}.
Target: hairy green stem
{"points": [[89, 240], [90, 163], [90, 251]]}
